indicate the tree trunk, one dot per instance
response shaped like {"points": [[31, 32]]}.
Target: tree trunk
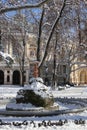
{"points": [[54, 64], [39, 36], [68, 74], [23, 61]]}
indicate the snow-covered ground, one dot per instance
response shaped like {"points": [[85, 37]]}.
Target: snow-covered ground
{"points": [[7, 93]]}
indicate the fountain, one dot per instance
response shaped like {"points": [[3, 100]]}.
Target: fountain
{"points": [[34, 97]]}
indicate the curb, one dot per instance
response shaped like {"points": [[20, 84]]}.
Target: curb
{"points": [[40, 113]]}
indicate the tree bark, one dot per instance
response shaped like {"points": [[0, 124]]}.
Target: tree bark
{"points": [[23, 61], [54, 64]]}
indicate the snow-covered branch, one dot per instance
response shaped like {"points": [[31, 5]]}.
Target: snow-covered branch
{"points": [[83, 66], [6, 57], [52, 31], [78, 63], [17, 7]]}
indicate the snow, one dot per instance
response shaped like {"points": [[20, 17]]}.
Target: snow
{"points": [[22, 106], [39, 88], [7, 57], [36, 79], [43, 90], [7, 93], [78, 92]]}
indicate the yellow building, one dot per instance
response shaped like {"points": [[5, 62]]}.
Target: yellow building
{"points": [[79, 77]]}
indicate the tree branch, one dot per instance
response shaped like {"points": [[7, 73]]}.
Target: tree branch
{"points": [[52, 31], [80, 67], [39, 35], [14, 8]]}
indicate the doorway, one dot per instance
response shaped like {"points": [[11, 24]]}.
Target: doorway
{"points": [[1, 77], [16, 77]]}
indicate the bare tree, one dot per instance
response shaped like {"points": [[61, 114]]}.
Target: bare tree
{"points": [[7, 9], [65, 17]]}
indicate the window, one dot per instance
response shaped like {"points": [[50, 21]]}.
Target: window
{"points": [[31, 53], [31, 69], [0, 36], [64, 68], [59, 69], [1, 42]]}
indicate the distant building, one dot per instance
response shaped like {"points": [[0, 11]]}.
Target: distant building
{"points": [[79, 77], [11, 74], [11, 42]]}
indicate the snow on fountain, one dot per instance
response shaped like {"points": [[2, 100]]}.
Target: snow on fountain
{"points": [[34, 97]]}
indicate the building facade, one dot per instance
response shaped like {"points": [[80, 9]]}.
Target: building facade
{"points": [[12, 73], [79, 77]]}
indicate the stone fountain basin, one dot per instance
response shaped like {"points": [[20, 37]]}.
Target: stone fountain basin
{"points": [[29, 107]]}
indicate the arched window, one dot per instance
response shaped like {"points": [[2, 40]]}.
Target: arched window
{"points": [[83, 77]]}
